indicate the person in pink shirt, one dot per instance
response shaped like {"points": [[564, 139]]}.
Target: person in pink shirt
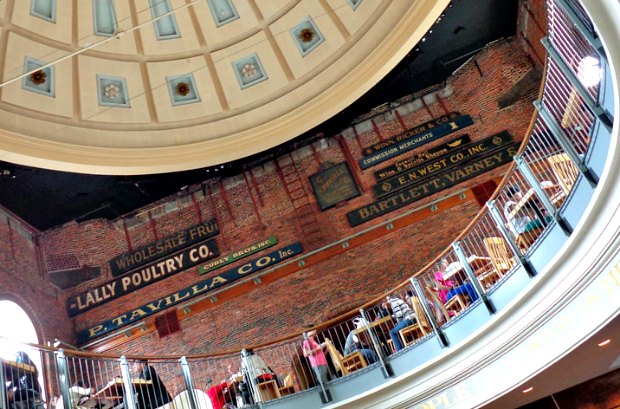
{"points": [[314, 352]]}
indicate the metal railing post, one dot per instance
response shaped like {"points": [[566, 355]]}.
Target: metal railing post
{"points": [[63, 378], [441, 336], [535, 185], [460, 254], [509, 238], [385, 367], [189, 384], [129, 399]]}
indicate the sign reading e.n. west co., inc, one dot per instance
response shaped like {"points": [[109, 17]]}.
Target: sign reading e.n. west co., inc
{"points": [[369, 150], [146, 275], [414, 141], [187, 293], [333, 185], [421, 157], [429, 186], [162, 247], [237, 255], [459, 156]]}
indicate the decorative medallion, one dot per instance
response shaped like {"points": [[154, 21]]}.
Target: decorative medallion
{"points": [[182, 89], [112, 91], [249, 71], [38, 77], [40, 80], [306, 36]]}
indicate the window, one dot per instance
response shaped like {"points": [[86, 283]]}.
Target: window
{"points": [[165, 27], [104, 17]]}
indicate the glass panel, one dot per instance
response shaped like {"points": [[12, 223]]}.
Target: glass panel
{"points": [[165, 27], [104, 17]]}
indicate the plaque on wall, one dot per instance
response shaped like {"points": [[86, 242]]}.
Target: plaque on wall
{"points": [[334, 185]]}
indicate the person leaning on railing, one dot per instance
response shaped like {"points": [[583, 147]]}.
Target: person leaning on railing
{"points": [[314, 352]]}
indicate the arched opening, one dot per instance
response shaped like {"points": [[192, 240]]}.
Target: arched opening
{"points": [[16, 331]]}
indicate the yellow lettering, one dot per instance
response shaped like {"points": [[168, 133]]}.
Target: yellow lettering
{"points": [[92, 332], [217, 280]]}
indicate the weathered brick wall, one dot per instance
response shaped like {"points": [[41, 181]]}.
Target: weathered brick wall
{"points": [[313, 294], [23, 282]]}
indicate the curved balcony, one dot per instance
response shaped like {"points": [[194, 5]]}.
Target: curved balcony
{"points": [[530, 279]]}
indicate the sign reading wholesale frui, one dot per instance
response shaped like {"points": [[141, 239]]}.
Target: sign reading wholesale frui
{"points": [[369, 150], [148, 274], [237, 255], [414, 141], [435, 166], [429, 186], [421, 157], [187, 293], [162, 247]]}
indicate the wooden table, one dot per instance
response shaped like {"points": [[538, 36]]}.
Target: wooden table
{"points": [[530, 201], [113, 393], [381, 326], [477, 263]]}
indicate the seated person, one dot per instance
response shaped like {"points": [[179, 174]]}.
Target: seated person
{"points": [[154, 395], [446, 289], [520, 222], [79, 397], [255, 369], [403, 316], [353, 344], [24, 391]]}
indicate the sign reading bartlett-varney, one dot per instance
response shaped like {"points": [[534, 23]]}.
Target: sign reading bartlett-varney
{"points": [[146, 275], [333, 185], [186, 293], [162, 247]]}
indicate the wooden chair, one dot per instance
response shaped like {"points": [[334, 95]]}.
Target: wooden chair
{"points": [[501, 259], [267, 390], [565, 171], [287, 387], [454, 305], [347, 364], [413, 332]]}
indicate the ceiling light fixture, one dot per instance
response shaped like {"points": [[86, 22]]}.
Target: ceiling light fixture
{"points": [[603, 343], [530, 389]]}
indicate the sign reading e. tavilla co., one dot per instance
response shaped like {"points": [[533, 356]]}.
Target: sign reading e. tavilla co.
{"points": [[432, 185], [438, 165], [421, 157], [369, 150], [162, 247], [185, 294], [414, 141], [148, 274], [237, 255]]}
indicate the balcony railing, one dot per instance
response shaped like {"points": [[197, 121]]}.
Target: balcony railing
{"points": [[499, 241]]}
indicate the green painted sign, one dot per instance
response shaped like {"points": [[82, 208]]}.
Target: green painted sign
{"points": [[459, 156], [237, 255], [432, 185]]}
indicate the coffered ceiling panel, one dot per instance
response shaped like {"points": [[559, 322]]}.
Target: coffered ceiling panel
{"points": [[149, 86]]}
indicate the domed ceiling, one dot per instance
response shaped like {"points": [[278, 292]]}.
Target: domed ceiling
{"points": [[150, 86]]}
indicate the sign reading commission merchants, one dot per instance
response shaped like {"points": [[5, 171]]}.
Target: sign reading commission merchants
{"points": [[432, 185], [438, 165], [187, 293], [148, 274], [333, 185], [237, 255], [414, 141], [369, 150], [421, 157], [162, 247]]}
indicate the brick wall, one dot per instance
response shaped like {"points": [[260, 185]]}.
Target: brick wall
{"points": [[312, 294], [23, 282]]}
